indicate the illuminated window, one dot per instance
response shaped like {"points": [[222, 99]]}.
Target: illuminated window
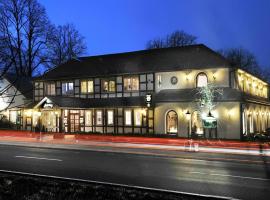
{"points": [[67, 88], [128, 120], [202, 80], [159, 80], [50, 88], [131, 83], [87, 86], [110, 117], [108, 85], [88, 118], [99, 120], [137, 117], [171, 122]]}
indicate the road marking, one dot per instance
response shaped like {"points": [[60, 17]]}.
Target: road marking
{"points": [[228, 175], [38, 158], [117, 184]]}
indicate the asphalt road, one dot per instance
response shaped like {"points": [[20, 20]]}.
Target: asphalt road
{"points": [[241, 177]]}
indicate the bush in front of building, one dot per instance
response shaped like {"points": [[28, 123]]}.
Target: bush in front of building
{"points": [[6, 124]]}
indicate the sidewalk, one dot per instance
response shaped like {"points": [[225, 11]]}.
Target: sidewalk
{"points": [[85, 141]]}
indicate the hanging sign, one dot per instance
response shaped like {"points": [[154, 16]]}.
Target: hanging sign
{"points": [[209, 122], [148, 100]]}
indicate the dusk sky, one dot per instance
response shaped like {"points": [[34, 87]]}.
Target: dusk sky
{"points": [[111, 26]]}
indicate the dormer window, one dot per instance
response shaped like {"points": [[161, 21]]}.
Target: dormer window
{"points": [[201, 80], [67, 88]]}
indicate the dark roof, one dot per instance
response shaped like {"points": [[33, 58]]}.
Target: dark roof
{"points": [[22, 83], [155, 60], [72, 102]]}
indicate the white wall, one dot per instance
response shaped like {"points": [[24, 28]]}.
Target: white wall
{"points": [[187, 78]]}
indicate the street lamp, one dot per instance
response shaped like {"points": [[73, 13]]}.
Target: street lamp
{"points": [[188, 115]]}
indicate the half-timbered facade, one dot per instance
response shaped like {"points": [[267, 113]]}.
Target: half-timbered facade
{"points": [[149, 91]]}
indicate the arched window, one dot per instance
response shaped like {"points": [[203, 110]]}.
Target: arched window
{"points": [[201, 80], [171, 122]]}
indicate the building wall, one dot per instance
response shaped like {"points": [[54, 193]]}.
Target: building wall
{"points": [[146, 85], [227, 113], [187, 78]]}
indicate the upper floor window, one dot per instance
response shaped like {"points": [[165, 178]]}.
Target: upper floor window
{"points": [[108, 85], [201, 80], [67, 88], [131, 83], [50, 88], [87, 86]]}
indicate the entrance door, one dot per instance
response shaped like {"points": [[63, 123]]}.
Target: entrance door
{"points": [[74, 122]]}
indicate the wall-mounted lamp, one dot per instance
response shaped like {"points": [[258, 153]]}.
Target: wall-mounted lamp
{"points": [[188, 115]]}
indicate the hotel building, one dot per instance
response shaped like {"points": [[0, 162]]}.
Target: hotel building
{"points": [[150, 92]]}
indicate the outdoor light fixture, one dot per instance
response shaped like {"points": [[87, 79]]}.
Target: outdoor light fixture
{"points": [[188, 114]]}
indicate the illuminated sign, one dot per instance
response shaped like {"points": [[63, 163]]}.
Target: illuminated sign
{"points": [[209, 122], [148, 100]]}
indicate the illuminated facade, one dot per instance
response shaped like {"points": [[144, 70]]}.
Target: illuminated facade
{"points": [[16, 95], [150, 91]]}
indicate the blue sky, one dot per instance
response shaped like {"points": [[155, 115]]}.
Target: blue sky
{"points": [[112, 26]]}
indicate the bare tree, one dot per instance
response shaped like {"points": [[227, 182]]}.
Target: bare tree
{"points": [[240, 57], [66, 43], [175, 39], [24, 32]]}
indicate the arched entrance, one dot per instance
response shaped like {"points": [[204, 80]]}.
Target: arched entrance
{"points": [[171, 122]]}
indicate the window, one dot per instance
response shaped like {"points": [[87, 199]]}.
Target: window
{"points": [[99, 120], [87, 86], [88, 118], [128, 120], [171, 122], [108, 85], [202, 80], [110, 117], [159, 80], [138, 117], [50, 88], [67, 88], [131, 83]]}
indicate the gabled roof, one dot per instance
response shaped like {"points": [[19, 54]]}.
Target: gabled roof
{"points": [[22, 83], [154, 60]]}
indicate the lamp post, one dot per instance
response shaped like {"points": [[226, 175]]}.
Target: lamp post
{"points": [[188, 115]]}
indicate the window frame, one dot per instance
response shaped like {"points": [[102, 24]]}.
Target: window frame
{"points": [[110, 124], [87, 81], [131, 83], [96, 118], [109, 88], [199, 74], [49, 85], [125, 117], [68, 92]]}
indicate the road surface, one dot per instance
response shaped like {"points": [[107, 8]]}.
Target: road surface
{"points": [[237, 176]]}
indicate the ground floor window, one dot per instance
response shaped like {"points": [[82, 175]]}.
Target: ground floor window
{"points": [[138, 117], [171, 122], [110, 117], [88, 118], [128, 118], [99, 117]]}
